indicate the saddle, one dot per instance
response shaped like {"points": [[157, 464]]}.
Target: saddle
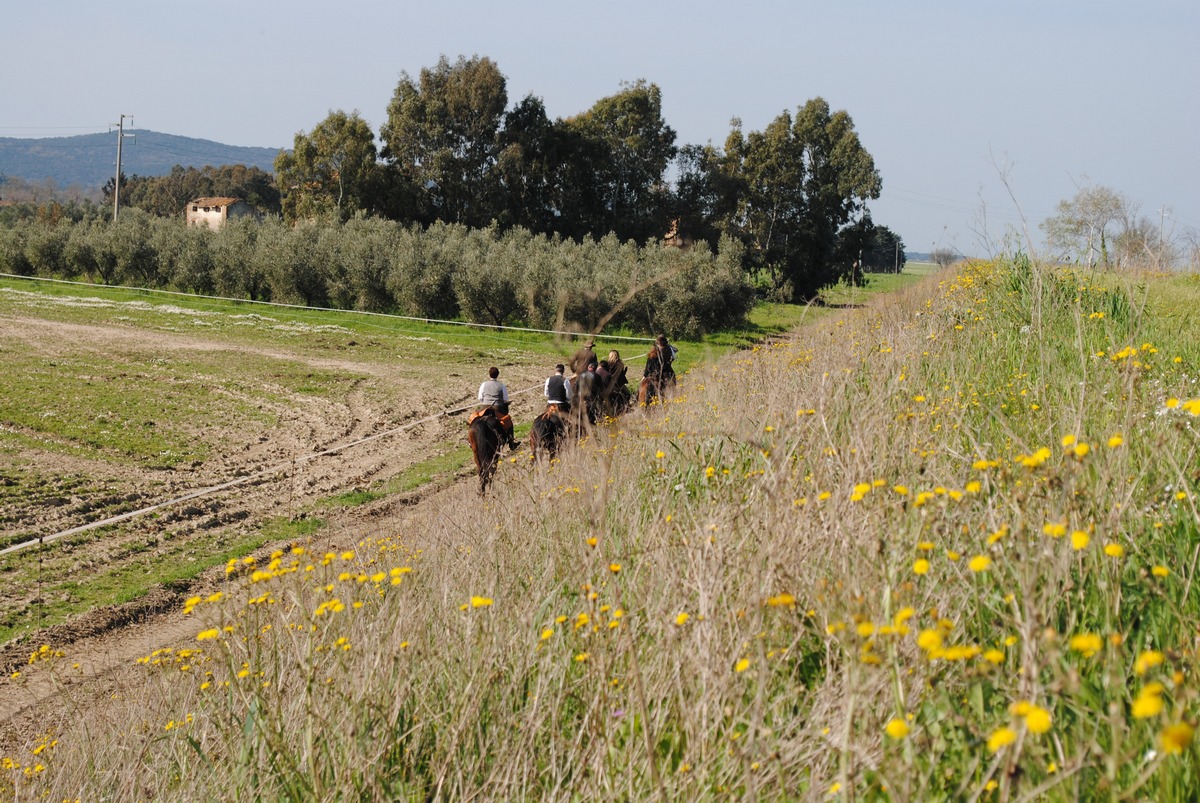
{"points": [[505, 420]]}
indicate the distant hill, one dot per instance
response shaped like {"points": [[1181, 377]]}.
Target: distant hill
{"points": [[90, 160]]}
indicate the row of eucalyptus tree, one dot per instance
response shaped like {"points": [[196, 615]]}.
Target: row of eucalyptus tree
{"points": [[452, 150]]}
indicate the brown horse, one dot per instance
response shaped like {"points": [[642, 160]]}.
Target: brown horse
{"points": [[548, 433], [485, 435]]}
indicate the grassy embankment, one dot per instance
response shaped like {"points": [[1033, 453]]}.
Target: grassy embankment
{"points": [[941, 547], [144, 407]]}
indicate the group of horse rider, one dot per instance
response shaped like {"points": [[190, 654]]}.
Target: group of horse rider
{"points": [[594, 386]]}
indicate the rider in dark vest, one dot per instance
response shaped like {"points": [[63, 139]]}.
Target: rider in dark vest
{"points": [[558, 389]]}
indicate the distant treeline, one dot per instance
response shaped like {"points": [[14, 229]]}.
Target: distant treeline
{"points": [[453, 150], [784, 208], [443, 271]]}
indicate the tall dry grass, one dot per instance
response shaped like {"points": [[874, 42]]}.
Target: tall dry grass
{"points": [[939, 547]]}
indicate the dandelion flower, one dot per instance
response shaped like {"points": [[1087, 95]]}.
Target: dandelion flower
{"points": [[1176, 738], [929, 640], [205, 635], [980, 563], [920, 566], [1055, 529], [1000, 738], [1148, 703], [682, 618], [1086, 644], [897, 728], [480, 602], [781, 600], [742, 665], [614, 567], [1115, 441], [1147, 660], [1037, 719], [1160, 571], [1080, 540], [1114, 550]]}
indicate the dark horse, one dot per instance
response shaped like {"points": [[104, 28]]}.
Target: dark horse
{"points": [[658, 377], [549, 430], [485, 435]]}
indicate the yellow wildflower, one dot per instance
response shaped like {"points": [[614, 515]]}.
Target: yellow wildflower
{"points": [[1055, 529], [1149, 702], [980, 563], [1038, 719], [897, 728], [1000, 738], [1086, 644], [1147, 660], [1176, 738]]}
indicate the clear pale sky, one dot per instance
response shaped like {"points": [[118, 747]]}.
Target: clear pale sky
{"points": [[947, 95]]}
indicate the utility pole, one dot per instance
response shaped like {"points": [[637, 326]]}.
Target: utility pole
{"points": [[117, 181]]}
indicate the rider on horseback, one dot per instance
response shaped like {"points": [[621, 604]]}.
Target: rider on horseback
{"points": [[494, 394], [659, 373]]}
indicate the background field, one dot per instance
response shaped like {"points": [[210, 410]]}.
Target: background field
{"points": [[938, 544], [114, 400]]}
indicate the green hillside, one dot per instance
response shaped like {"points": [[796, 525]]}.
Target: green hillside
{"points": [[89, 160]]}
